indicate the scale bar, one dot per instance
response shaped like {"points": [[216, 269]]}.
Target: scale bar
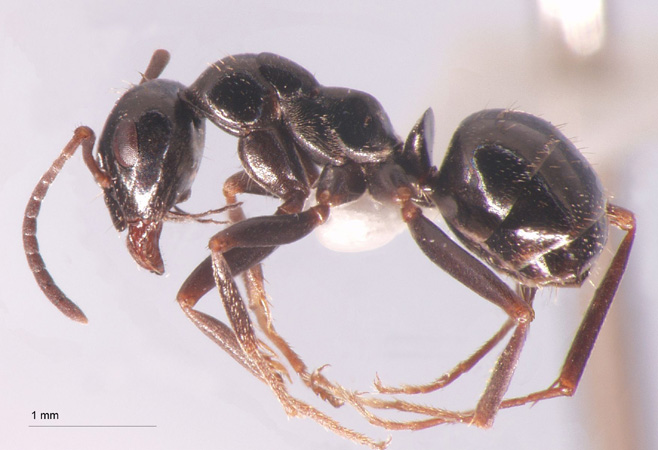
{"points": [[92, 426]]}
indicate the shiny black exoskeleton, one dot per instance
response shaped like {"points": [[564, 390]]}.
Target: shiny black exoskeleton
{"points": [[520, 195]]}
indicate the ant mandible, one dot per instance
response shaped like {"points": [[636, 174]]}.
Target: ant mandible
{"points": [[516, 193]]}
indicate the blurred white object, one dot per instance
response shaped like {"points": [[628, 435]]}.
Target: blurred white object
{"points": [[580, 22]]}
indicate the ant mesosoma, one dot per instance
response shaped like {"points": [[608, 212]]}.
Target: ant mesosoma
{"points": [[512, 188]]}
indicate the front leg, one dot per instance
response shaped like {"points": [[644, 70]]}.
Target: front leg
{"points": [[199, 283], [267, 232], [240, 341], [279, 230]]}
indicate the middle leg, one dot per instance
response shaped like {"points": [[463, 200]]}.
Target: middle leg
{"points": [[241, 183]]}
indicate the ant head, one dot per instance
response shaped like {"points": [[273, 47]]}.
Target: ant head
{"points": [[151, 148]]}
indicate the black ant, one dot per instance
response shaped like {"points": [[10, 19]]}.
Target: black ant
{"points": [[512, 188]]}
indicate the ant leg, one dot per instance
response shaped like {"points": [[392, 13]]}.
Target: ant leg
{"points": [[462, 266], [579, 352], [491, 399], [475, 275], [259, 305], [241, 342], [199, 283], [583, 342], [435, 416], [268, 232], [454, 373], [240, 183], [265, 232], [472, 273], [177, 214], [502, 373], [83, 136], [266, 153], [279, 230]]}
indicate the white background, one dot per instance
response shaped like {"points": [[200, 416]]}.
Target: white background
{"points": [[140, 362]]}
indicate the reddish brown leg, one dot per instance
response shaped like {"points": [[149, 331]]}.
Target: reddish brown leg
{"points": [[491, 399], [460, 368], [583, 343], [285, 229], [196, 286], [576, 359], [249, 351], [435, 416], [478, 277], [489, 403], [462, 266], [240, 183], [179, 215], [267, 232], [454, 373], [258, 304]]}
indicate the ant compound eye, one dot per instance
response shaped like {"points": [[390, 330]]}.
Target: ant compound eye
{"points": [[149, 136], [238, 97], [125, 143]]}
